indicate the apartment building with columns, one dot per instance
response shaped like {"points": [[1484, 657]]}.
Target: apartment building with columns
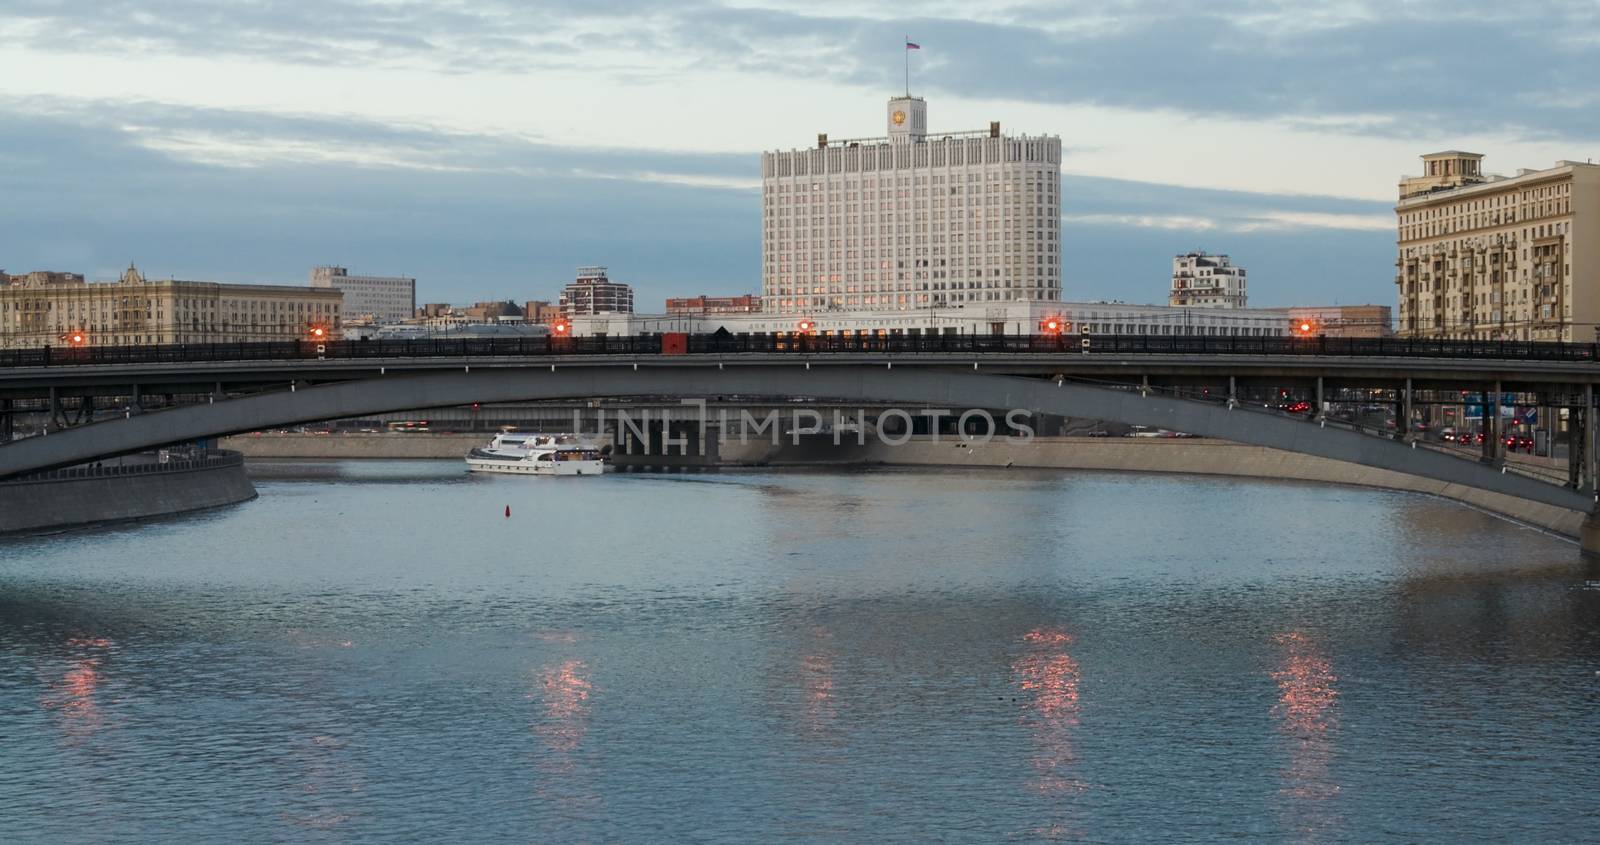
{"points": [[1489, 257], [43, 309]]}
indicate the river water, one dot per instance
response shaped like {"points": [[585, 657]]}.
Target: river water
{"points": [[375, 651]]}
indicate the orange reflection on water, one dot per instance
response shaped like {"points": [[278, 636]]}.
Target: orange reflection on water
{"points": [[817, 678], [1306, 693], [565, 695], [73, 693], [1306, 715], [1049, 676], [563, 691]]}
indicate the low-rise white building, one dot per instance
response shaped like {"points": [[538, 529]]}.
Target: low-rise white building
{"points": [[1013, 318], [383, 299], [1202, 280]]}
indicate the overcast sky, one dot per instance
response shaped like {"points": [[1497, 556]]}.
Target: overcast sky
{"points": [[488, 148]]}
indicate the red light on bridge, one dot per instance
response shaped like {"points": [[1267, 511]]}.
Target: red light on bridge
{"points": [[1053, 325], [1305, 328], [807, 327], [317, 333], [560, 327]]}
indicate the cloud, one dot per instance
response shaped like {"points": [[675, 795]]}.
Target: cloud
{"points": [[1423, 68], [1176, 222], [239, 196]]}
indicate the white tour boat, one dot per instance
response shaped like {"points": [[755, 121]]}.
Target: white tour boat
{"points": [[523, 453]]}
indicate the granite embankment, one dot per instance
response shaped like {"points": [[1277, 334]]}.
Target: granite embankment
{"points": [[1184, 455], [126, 490], [342, 446], [1112, 454]]}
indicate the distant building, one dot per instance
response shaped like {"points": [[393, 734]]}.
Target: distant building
{"points": [[1498, 257], [44, 308], [385, 299], [1200, 280], [593, 293], [41, 278], [1343, 320], [746, 304], [1019, 317], [540, 311], [490, 311], [434, 309], [911, 221]]}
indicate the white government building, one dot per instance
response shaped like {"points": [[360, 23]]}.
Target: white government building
{"points": [[922, 233], [383, 299]]}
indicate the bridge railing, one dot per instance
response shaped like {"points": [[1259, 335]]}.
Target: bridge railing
{"points": [[208, 460], [807, 344]]}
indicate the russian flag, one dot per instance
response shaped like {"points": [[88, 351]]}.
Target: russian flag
{"points": [[912, 45]]}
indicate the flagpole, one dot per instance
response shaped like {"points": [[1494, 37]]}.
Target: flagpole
{"points": [[906, 48]]}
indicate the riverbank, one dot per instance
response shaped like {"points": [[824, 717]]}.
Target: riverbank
{"points": [[118, 492], [1111, 454], [348, 446], [1204, 457]]}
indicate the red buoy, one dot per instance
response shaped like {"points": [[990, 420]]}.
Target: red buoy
{"points": [[508, 511]]}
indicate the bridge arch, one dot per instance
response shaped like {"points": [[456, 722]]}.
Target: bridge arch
{"points": [[850, 382]]}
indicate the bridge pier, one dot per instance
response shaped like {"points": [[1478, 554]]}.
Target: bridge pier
{"points": [[1403, 422], [55, 421], [8, 429], [1589, 458], [1575, 430]]}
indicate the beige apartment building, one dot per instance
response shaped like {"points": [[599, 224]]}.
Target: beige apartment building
{"points": [[42, 309], [1499, 257]]}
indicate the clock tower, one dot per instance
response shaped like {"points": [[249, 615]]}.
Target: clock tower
{"points": [[908, 119]]}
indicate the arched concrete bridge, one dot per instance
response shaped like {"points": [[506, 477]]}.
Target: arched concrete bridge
{"points": [[877, 382]]}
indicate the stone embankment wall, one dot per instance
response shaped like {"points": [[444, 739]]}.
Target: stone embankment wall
{"points": [[1114, 454], [341, 446], [1127, 454], [85, 495]]}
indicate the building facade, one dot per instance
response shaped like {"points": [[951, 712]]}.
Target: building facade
{"points": [[44, 308], [1018, 317], [912, 220], [381, 299], [746, 304], [1201, 280], [1342, 320], [540, 311], [1496, 257], [594, 293]]}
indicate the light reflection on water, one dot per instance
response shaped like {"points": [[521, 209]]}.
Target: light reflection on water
{"points": [[1048, 676], [373, 651], [1307, 719]]}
